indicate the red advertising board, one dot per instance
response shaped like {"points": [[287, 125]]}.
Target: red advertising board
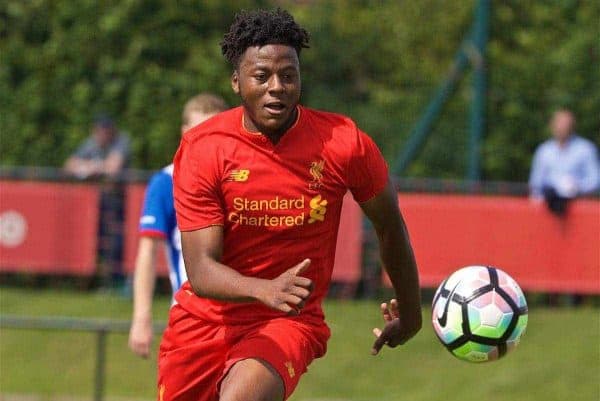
{"points": [[48, 227], [541, 251], [52, 228], [134, 199], [348, 253]]}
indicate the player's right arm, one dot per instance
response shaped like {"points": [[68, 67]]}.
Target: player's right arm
{"points": [[402, 316], [209, 278], [369, 182]]}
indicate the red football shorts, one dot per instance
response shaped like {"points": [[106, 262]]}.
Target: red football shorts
{"points": [[196, 355]]}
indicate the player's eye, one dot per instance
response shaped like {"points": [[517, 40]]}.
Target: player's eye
{"points": [[261, 77]]}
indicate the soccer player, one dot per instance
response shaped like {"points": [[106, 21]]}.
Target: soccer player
{"points": [[258, 192], [158, 227]]}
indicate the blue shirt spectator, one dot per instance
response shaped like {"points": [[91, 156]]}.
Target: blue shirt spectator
{"points": [[567, 164]]}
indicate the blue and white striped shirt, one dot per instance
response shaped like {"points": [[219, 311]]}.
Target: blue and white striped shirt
{"points": [[158, 219]]}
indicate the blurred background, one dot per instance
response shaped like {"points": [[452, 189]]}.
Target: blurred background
{"points": [[458, 95]]}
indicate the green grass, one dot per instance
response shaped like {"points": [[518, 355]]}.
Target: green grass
{"points": [[558, 359]]}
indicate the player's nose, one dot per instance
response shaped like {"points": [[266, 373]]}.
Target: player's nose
{"points": [[275, 84]]}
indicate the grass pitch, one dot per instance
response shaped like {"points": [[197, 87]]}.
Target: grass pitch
{"points": [[558, 359]]}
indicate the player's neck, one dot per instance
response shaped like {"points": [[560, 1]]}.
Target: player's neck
{"points": [[274, 136]]}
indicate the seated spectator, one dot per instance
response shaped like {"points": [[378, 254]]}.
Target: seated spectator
{"points": [[565, 166], [104, 155]]}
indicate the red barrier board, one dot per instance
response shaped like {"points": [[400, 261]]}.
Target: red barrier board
{"points": [[134, 200], [541, 251], [347, 258], [48, 227], [348, 253], [52, 228]]}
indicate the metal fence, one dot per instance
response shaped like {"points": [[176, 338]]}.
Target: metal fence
{"points": [[100, 327]]}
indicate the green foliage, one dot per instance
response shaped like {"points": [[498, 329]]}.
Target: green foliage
{"points": [[543, 56], [379, 62], [137, 60]]}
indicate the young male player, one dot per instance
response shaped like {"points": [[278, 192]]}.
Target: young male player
{"points": [[158, 227], [258, 192]]}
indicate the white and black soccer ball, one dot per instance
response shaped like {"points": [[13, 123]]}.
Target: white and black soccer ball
{"points": [[479, 313]]}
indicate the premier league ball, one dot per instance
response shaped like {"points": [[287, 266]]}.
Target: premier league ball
{"points": [[479, 313]]}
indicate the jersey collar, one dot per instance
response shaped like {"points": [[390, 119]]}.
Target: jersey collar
{"points": [[259, 137]]}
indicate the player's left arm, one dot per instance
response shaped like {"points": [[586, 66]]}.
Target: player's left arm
{"points": [[402, 316]]}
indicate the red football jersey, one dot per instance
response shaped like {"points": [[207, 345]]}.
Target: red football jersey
{"points": [[279, 204]]}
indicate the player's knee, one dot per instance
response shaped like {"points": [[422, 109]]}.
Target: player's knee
{"points": [[252, 380]]}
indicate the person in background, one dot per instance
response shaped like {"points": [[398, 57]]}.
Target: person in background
{"points": [[565, 166], [158, 227], [104, 156]]}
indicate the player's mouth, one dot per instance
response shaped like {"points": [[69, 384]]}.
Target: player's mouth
{"points": [[275, 108]]}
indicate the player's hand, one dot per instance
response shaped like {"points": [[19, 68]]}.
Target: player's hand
{"points": [[288, 292], [395, 331], [140, 337]]}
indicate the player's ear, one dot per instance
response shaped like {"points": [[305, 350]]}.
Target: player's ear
{"points": [[235, 82]]}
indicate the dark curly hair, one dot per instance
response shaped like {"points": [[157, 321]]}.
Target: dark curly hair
{"points": [[259, 28]]}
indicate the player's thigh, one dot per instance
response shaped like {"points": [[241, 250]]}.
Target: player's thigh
{"points": [[284, 346], [191, 359], [252, 380]]}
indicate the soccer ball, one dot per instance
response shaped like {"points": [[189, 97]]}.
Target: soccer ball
{"points": [[479, 313]]}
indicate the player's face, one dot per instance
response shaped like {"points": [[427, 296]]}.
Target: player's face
{"points": [[194, 118], [268, 82]]}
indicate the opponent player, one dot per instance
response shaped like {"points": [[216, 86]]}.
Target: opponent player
{"points": [[258, 192], [158, 227]]}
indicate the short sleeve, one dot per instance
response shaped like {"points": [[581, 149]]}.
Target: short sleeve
{"points": [[122, 146], [85, 150], [155, 218], [367, 169], [196, 187]]}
